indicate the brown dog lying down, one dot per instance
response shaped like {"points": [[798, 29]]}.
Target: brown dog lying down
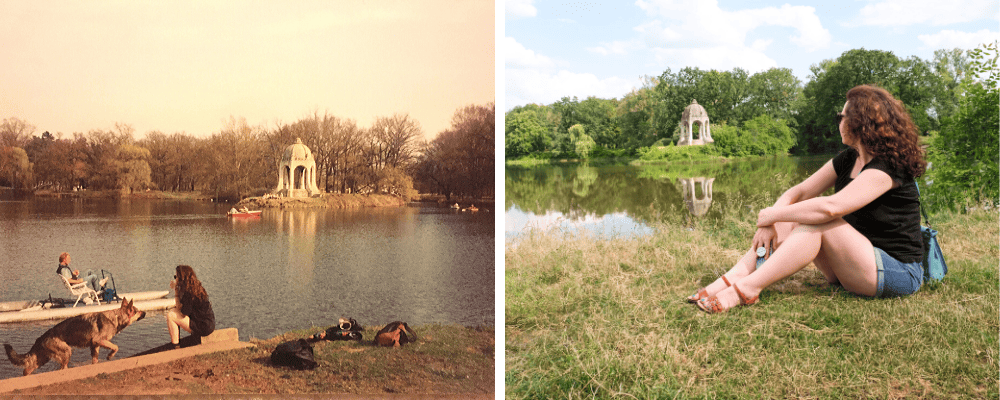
{"points": [[93, 330], [395, 335]]}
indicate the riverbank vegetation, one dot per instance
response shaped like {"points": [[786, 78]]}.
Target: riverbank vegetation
{"points": [[952, 99], [445, 360], [241, 160], [608, 319]]}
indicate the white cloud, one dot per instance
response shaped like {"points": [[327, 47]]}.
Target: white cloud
{"points": [[722, 58], [933, 12], [948, 39], [616, 47], [520, 8], [517, 56], [703, 23], [525, 86]]}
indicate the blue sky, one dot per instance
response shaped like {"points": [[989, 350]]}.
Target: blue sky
{"points": [[556, 49]]}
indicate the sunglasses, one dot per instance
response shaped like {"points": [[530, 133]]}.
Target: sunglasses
{"points": [[840, 117]]}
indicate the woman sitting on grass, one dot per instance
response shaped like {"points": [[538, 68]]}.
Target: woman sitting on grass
{"points": [[866, 236]]}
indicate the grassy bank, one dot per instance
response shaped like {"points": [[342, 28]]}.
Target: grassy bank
{"points": [[446, 359], [327, 200], [607, 319]]}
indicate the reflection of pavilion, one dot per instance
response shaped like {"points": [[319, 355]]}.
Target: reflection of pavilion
{"points": [[300, 225], [697, 205]]}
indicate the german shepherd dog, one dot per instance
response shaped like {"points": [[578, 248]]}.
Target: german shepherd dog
{"points": [[93, 330]]}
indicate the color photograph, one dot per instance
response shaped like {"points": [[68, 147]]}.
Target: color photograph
{"points": [[760, 200]]}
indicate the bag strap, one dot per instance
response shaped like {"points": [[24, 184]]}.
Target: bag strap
{"points": [[922, 212]]}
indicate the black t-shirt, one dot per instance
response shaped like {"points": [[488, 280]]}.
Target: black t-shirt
{"points": [[201, 314], [892, 221]]}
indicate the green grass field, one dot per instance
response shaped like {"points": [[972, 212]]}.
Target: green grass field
{"points": [[592, 318]]}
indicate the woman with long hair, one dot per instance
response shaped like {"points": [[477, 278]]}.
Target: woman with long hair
{"points": [[193, 311], [865, 237]]}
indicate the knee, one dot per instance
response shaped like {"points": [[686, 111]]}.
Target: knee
{"points": [[174, 316]]}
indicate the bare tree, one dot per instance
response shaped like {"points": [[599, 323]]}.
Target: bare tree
{"points": [[15, 132]]}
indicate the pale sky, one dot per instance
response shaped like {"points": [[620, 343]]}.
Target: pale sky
{"points": [[602, 48], [187, 66]]}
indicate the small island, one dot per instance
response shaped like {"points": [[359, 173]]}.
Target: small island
{"points": [[297, 187]]}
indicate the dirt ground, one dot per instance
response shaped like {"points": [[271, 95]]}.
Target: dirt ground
{"points": [[440, 363]]}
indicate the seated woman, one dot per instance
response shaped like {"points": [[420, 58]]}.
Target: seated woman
{"points": [[866, 236], [193, 311]]}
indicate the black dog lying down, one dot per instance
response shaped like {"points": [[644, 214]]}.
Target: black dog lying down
{"points": [[346, 329]]}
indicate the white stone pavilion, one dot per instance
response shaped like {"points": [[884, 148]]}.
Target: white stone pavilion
{"points": [[297, 172], [695, 114]]}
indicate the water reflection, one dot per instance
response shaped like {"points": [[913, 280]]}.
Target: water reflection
{"points": [[300, 226], [616, 200], [690, 187], [289, 269]]}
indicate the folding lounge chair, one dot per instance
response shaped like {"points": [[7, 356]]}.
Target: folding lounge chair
{"points": [[80, 290]]}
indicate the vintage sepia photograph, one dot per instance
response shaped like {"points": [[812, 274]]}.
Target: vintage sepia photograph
{"points": [[231, 198]]}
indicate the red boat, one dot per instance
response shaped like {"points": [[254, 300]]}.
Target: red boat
{"points": [[244, 214]]}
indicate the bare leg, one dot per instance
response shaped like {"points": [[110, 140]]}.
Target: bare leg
{"points": [[847, 253], [748, 263], [176, 321]]}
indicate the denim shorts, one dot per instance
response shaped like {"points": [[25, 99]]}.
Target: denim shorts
{"points": [[896, 278]]}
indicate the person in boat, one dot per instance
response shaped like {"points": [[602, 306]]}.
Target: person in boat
{"points": [[193, 311], [74, 277], [244, 210], [865, 237], [232, 210]]}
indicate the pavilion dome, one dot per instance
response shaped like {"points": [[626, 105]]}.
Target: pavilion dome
{"points": [[296, 152], [694, 111]]}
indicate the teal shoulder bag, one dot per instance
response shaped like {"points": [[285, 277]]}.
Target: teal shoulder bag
{"points": [[934, 266]]}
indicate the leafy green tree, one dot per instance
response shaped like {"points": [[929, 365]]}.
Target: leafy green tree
{"points": [[951, 67], [729, 97], [964, 168], [760, 136], [524, 134], [911, 81], [598, 118], [582, 143], [635, 115]]}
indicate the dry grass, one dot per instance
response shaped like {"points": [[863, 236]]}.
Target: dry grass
{"points": [[445, 360], [607, 318]]}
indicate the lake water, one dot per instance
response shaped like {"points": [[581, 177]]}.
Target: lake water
{"points": [[611, 200], [288, 269]]}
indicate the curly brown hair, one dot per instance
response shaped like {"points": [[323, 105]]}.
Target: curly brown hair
{"points": [[881, 124], [188, 283]]}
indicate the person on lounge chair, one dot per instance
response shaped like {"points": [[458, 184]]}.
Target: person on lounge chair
{"points": [[73, 275]]}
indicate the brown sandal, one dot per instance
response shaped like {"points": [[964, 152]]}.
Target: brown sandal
{"points": [[743, 299], [711, 305], [702, 293]]}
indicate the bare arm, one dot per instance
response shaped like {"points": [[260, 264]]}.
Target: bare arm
{"points": [[868, 186], [813, 186]]}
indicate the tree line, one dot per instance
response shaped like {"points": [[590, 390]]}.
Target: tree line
{"points": [[951, 98], [242, 160]]}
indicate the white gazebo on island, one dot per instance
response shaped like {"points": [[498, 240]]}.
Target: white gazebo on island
{"points": [[297, 172], [695, 114]]}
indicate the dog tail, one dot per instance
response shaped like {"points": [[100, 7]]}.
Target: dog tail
{"points": [[12, 355]]}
